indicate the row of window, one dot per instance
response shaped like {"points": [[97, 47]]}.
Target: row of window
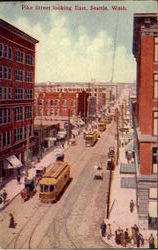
{"points": [[19, 114], [23, 76], [21, 57], [20, 75], [6, 93], [56, 102], [19, 134], [56, 112]]}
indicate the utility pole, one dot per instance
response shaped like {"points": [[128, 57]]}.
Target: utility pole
{"points": [[117, 135], [69, 128], [27, 151]]}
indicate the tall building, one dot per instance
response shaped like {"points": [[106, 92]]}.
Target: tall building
{"points": [[17, 77], [60, 105], [145, 50]]}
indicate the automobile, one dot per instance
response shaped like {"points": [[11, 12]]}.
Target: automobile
{"points": [[98, 172]]}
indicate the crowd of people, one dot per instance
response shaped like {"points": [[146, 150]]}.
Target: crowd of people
{"points": [[125, 237]]}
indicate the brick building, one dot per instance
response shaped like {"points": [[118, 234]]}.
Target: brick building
{"points": [[145, 50], [17, 77], [59, 105]]}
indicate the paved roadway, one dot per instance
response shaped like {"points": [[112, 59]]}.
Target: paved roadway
{"points": [[73, 221]]}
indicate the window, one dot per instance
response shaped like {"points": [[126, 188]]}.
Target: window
{"points": [[29, 93], [1, 50], [6, 51], [0, 140], [19, 75], [64, 103], [28, 112], [155, 123], [10, 53], [56, 102], [18, 134], [29, 76], [45, 188], [5, 73], [29, 59], [51, 188], [155, 86], [1, 93], [4, 139], [9, 93], [9, 73], [18, 113], [19, 56], [19, 93], [30, 130], [1, 72], [6, 116], [51, 102], [154, 159], [156, 49], [1, 116]]}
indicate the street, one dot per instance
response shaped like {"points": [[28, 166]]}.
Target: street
{"points": [[74, 220]]}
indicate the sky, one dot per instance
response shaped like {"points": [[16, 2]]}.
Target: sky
{"points": [[79, 45]]}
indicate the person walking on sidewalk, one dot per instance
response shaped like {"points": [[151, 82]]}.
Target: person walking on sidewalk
{"points": [[12, 221], [151, 242], [138, 239], [131, 205], [109, 234], [4, 195], [103, 229], [18, 179]]}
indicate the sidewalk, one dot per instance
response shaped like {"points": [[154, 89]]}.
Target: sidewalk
{"points": [[120, 215], [13, 188]]}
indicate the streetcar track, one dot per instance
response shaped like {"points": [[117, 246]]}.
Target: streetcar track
{"points": [[56, 230]]}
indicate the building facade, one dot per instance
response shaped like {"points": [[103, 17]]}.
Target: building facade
{"points": [[17, 77], [60, 105], [145, 50]]}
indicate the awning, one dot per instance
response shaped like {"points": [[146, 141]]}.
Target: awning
{"points": [[127, 168], [153, 209], [14, 161], [130, 146]]}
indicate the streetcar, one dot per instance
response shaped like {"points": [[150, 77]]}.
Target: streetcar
{"points": [[54, 181], [91, 138]]}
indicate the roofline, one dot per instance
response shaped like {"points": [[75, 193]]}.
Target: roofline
{"points": [[17, 31]]}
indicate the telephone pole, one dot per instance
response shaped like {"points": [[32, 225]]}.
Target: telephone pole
{"points": [[117, 134]]}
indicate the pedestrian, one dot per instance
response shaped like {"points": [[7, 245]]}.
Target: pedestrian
{"points": [[18, 179], [117, 237], [103, 229], [151, 242], [131, 205], [122, 237], [136, 228], [109, 234], [12, 221], [138, 239], [126, 237], [4, 195], [133, 236], [141, 239]]}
